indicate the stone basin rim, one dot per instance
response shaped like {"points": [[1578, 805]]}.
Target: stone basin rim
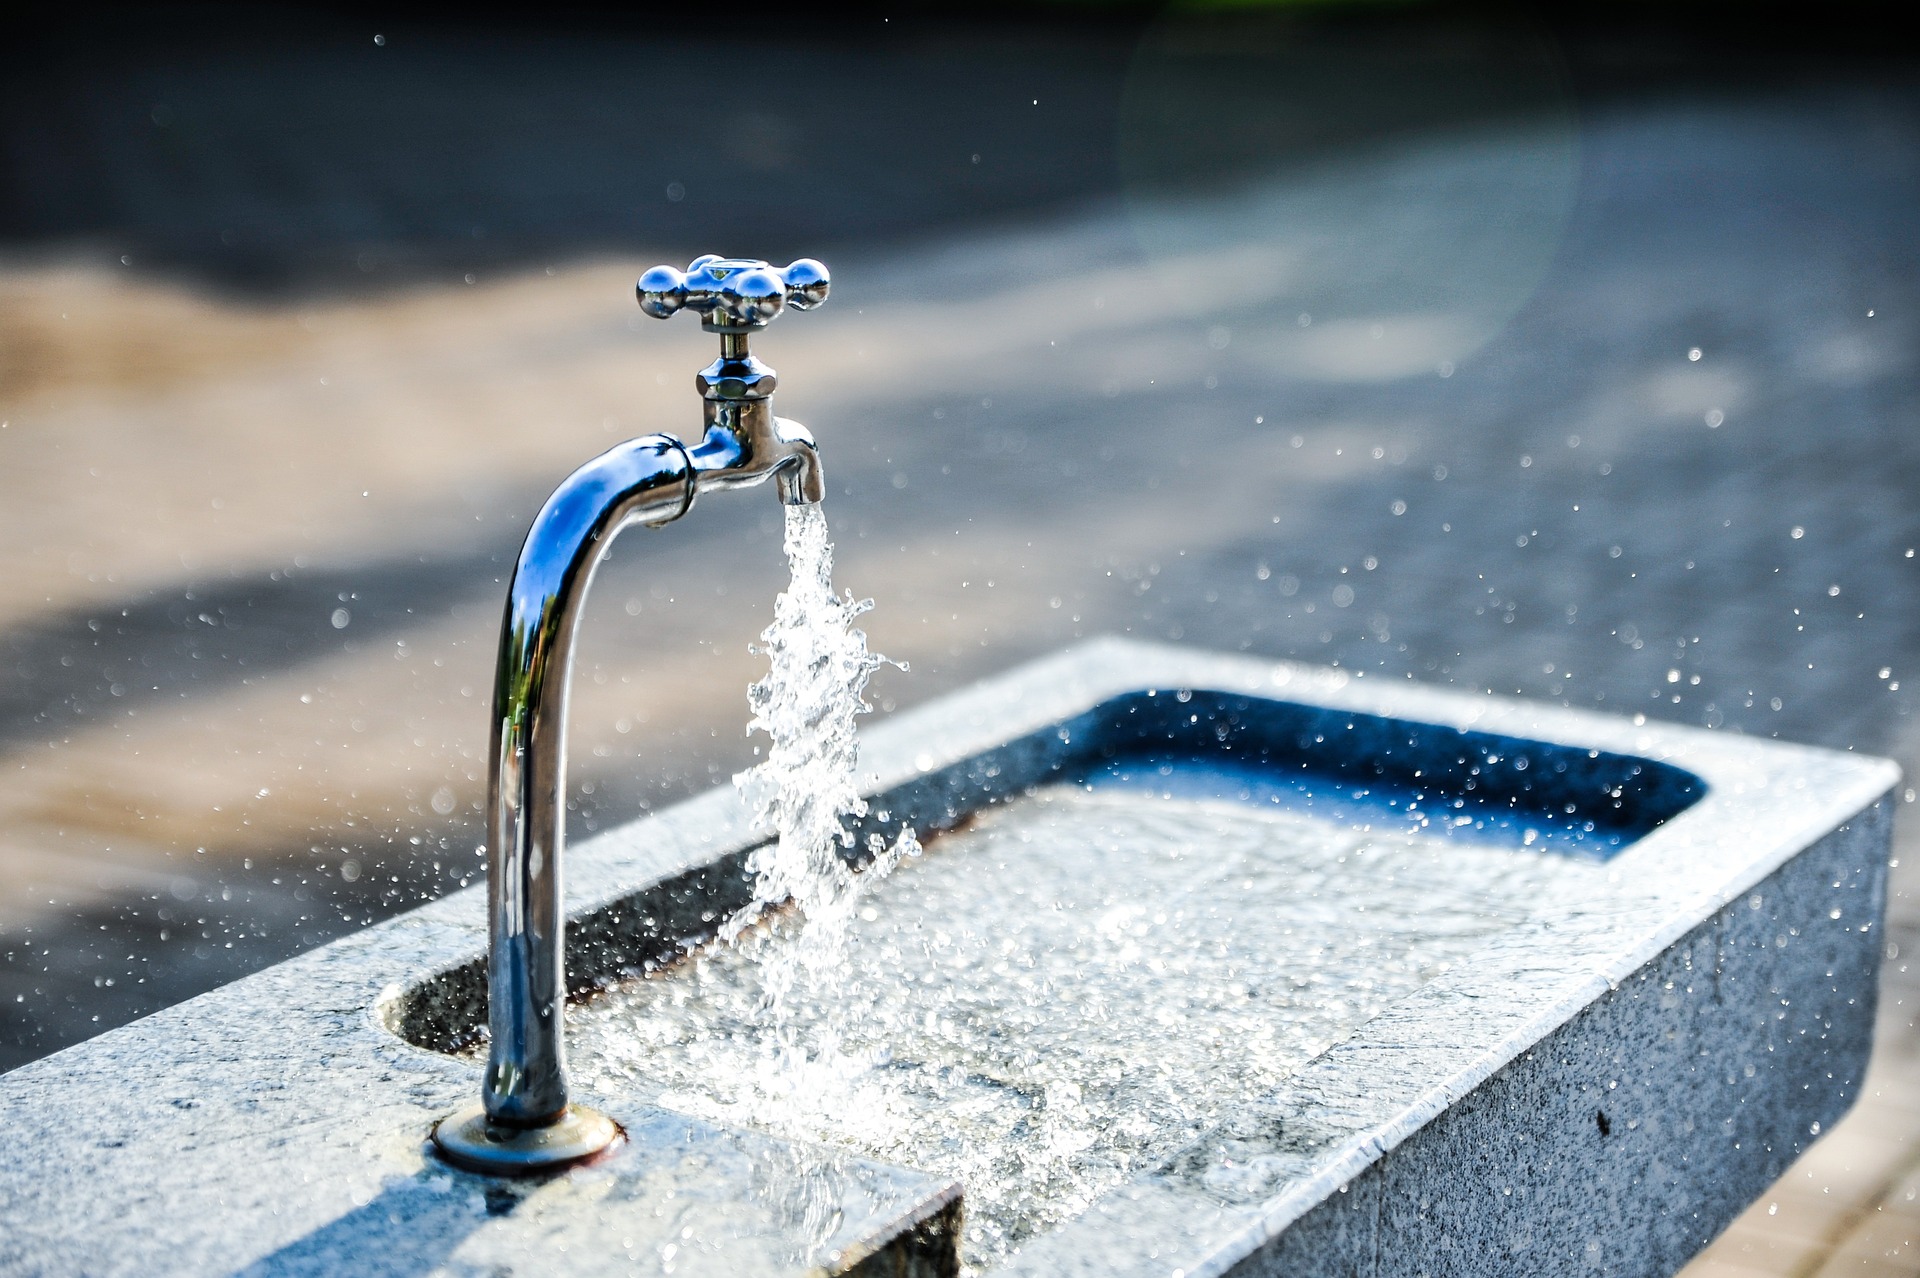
{"points": [[1762, 782], [275, 1106], [1662, 790]]}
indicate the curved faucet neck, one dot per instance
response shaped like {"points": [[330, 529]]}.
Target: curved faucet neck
{"points": [[647, 480], [651, 480]]}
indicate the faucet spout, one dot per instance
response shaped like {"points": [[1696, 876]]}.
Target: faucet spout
{"points": [[802, 482], [731, 455], [525, 1120]]}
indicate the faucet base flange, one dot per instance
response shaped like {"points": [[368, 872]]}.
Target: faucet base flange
{"points": [[471, 1141]]}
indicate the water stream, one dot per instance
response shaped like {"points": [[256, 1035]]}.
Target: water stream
{"points": [[803, 791]]}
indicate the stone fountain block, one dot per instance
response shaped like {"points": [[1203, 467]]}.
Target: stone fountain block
{"points": [[1598, 1091]]}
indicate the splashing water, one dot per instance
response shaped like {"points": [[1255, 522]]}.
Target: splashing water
{"points": [[1066, 992], [1057, 998], [804, 791]]}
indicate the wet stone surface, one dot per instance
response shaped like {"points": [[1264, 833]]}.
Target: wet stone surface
{"points": [[1069, 991]]}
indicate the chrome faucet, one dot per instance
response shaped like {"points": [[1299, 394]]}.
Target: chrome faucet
{"points": [[525, 1121]]}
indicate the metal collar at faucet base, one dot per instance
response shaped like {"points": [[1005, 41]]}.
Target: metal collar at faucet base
{"points": [[474, 1142]]}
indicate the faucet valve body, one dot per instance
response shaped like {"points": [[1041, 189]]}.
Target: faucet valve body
{"points": [[526, 1122]]}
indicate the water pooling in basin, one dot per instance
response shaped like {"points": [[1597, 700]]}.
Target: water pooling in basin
{"points": [[1071, 988]]}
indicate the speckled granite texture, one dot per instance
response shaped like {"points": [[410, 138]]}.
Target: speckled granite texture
{"points": [[1597, 1092]]}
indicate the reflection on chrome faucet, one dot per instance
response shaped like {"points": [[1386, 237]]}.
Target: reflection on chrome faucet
{"points": [[525, 1121]]}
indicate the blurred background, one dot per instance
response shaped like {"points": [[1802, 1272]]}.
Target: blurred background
{"points": [[1560, 350]]}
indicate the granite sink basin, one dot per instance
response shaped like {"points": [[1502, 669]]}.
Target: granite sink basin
{"points": [[1347, 978]]}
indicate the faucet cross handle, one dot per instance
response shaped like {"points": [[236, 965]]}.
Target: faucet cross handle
{"points": [[733, 294]]}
